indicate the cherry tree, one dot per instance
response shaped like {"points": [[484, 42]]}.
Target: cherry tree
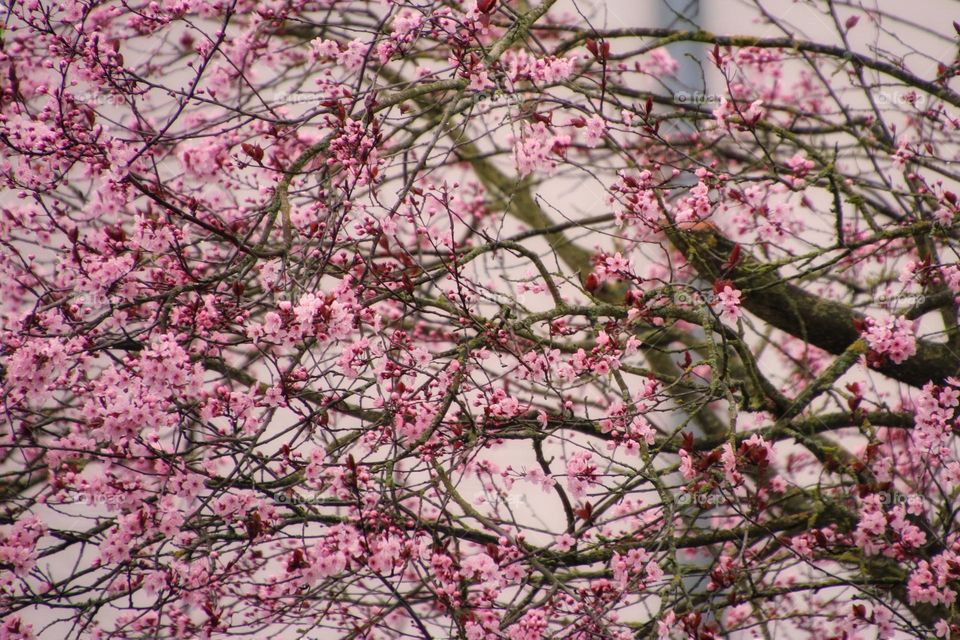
{"points": [[476, 319]]}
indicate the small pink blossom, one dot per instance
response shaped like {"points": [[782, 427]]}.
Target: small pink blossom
{"points": [[596, 129], [565, 542]]}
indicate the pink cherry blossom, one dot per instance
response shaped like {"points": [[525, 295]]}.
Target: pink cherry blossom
{"points": [[483, 319], [728, 301], [894, 337]]}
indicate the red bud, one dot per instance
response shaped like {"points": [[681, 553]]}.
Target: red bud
{"points": [[585, 512], [600, 50], [592, 283], [734, 258], [717, 58], [592, 46]]}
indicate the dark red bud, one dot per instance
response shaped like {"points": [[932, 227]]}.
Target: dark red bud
{"points": [[592, 283]]}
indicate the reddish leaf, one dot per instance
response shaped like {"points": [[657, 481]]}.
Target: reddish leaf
{"points": [[585, 512], [600, 50], [254, 525], [254, 151], [733, 259], [721, 283], [296, 561], [486, 6], [592, 46], [592, 283], [717, 58], [117, 234]]}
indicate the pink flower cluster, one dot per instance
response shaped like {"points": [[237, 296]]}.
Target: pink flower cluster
{"points": [[635, 562], [934, 582], [33, 367], [935, 412], [520, 65], [695, 206], [728, 303], [638, 197], [894, 337], [538, 148], [887, 532], [660, 64], [581, 473], [329, 317], [728, 109], [18, 547], [800, 166]]}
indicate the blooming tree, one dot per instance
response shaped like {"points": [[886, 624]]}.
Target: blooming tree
{"points": [[469, 318]]}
